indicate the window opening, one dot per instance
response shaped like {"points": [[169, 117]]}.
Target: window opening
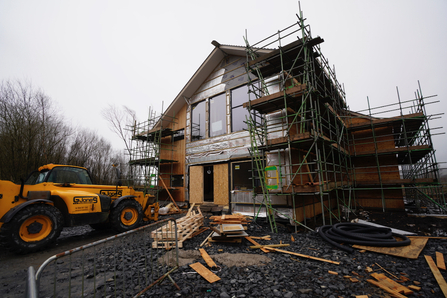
{"points": [[198, 121], [218, 115]]}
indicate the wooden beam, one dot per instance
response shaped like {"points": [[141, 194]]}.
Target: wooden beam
{"points": [[440, 260], [207, 258], [190, 209], [391, 284], [256, 243], [269, 245], [172, 199], [206, 239], [303, 256], [441, 281], [385, 288], [261, 238]]}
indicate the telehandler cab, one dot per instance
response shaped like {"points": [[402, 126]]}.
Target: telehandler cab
{"points": [[33, 214]]}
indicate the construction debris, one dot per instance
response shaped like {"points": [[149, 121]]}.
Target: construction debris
{"points": [[204, 272], [411, 251], [256, 243], [301, 255], [440, 260], [438, 276], [207, 258], [228, 227], [186, 227], [269, 245]]}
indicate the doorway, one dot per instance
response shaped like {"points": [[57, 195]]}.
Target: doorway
{"points": [[208, 184]]}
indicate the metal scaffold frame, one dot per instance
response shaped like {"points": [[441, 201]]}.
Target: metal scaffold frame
{"points": [[298, 113], [152, 153], [308, 131], [415, 174]]}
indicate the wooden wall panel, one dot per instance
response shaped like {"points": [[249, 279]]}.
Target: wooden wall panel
{"points": [[372, 199], [221, 187], [311, 207], [196, 184]]}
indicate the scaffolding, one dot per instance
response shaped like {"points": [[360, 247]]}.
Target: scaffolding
{"points": [[152, 153], [306, 144], [394, 157]]}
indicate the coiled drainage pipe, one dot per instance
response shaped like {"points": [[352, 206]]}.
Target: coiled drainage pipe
{"points": [[355, 233]]}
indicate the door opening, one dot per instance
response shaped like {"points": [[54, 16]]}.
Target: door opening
{"points": [[208, 184]]}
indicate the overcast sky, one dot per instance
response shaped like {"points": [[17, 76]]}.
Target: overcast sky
{"points": [[86, 55]]}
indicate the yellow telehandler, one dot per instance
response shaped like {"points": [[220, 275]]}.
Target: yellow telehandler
{"points": [[33, 214]]}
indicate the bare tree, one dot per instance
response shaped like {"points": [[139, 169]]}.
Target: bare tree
{"points": [[32, 131], [121, 121]]}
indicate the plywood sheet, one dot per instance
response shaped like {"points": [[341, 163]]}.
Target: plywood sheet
{"points": [[204, 272], [196, 184], [411, 251], [221, 186]]}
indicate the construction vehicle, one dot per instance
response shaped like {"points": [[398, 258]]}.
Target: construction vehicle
{"points": [[33, 213]]}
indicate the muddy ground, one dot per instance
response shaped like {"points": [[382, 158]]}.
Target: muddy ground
{"points": [[14, 267]]}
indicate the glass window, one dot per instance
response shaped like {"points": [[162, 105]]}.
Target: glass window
{"points": [[239, 114], [218, 122], [198, 121], [69, 175], [243, 176]]}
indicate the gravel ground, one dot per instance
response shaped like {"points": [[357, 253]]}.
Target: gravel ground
{"points": [[275, 274], [291, 276]]}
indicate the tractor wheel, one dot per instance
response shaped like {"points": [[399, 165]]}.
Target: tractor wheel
{"points": [[33, 228], [126, 216]]}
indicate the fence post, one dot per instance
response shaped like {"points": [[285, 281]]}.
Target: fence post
{"points": [[31, 288]]}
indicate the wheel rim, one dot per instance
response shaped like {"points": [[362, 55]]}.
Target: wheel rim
{"points": [[36, 228], [129, 216]]}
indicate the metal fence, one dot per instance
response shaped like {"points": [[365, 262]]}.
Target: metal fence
{"points": [[124, 265]]}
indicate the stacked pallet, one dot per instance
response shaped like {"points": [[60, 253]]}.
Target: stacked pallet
{"points": [[164, 237], [228, 228]]}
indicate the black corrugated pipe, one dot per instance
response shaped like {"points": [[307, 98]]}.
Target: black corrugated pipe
{"points": [[361, 234]]}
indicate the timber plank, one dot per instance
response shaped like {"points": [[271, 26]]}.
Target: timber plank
{"points": [[256, 243], [415, 288], [441, 281], [301, 255], [207, 258], [391, 284], [440, 260], [385, 288], [411, 251], [269, 245], [204, 272]]}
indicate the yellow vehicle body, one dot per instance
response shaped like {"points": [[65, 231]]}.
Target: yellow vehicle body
{"points": [[32, 214]]}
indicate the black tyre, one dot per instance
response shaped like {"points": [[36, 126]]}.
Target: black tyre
{"points": [[33, 228], [128, 215]]}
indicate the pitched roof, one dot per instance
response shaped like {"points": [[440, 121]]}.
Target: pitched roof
{"points": [[205, 69]]}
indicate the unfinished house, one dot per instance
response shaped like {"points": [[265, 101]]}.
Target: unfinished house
{"points": [[265, 130]]}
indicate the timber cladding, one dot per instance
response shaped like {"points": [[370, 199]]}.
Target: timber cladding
{"points": [[310, 206], [372, 198]]}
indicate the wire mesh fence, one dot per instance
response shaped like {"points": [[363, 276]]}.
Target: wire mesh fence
{"points": [[124, 265]]}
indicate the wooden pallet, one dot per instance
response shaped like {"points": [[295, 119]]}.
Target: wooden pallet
{"points": [[164, 237]]}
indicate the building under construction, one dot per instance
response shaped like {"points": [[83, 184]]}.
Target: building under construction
{"points": [[265, 130]]}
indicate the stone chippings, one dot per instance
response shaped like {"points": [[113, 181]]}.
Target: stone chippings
{"points": [[292, 276]]}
